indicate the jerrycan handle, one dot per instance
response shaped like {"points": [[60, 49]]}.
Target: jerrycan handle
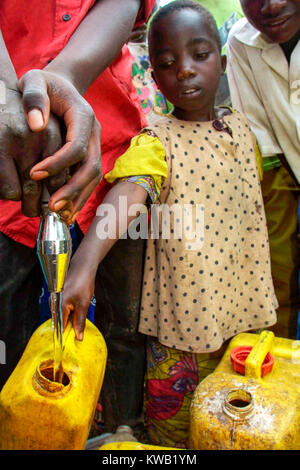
{"points": [[257, 355]]}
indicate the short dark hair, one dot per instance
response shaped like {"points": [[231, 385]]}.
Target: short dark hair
{"points": [[183, 4]]}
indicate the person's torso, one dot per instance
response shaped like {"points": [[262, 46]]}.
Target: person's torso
{"points": [[34, 35], [277, 84], [207, 251]]}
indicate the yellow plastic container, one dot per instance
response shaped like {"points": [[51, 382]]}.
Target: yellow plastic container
{"points": [[37, 413], [132, 446], [247, 412]]}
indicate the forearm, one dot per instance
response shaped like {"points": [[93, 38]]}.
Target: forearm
{"points": [[96, 42], [80, 281], [95, 245], [7, 71]]}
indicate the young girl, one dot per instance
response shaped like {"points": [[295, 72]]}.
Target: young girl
{"points": [[197, 292]]}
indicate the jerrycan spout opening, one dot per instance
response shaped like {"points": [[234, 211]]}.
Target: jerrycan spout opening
{"points": [[44, 384], [238, 404]]}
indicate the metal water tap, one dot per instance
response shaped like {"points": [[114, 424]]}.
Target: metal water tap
{"points": [[54, 248]]}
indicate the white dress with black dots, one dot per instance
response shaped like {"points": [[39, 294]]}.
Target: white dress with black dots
{"points": [[197, 293]]}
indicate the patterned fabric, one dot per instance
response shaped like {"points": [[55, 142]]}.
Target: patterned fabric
{"points": [[171, 379], [214, 280], [147, 182], [146, 157], [152, 101], [143, 163]]}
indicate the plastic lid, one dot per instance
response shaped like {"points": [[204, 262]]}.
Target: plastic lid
{"points": [[239, 355]]}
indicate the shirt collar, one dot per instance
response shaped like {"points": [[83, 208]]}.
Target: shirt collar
{"points": [[250, 36], [271, 53]]}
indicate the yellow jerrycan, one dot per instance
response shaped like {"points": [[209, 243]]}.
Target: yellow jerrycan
{"points": [[37, 413], [241, 406], [133, 446]]}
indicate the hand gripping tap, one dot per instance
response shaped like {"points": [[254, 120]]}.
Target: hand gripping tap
{"points": [[54, 248]]}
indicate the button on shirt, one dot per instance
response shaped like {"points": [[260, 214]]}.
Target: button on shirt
{"points": [[34, 36], [266, 88]]}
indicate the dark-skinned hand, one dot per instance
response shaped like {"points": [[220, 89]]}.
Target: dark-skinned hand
{"points": [[20, 149], [76, 297], [44, 92]]}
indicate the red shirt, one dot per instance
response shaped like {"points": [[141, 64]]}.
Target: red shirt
{"points": [[35, 34]]}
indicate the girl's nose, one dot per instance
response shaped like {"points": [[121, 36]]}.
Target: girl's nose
{"points": [[185, 72], [273, 7]]}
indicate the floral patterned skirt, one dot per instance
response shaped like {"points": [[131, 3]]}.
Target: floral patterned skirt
{"points": [[171, 378]]}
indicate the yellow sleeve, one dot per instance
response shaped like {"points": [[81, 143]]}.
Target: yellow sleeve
{"points": [[145, 156], [259, 162], [258, 158]]}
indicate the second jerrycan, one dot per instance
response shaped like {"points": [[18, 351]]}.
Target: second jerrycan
{"points": [[254, 409], [37, 413]]}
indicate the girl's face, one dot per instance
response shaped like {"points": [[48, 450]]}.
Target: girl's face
{"points": [[187, 63], [278, 20]]}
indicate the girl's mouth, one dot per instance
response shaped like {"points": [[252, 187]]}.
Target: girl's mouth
{"points": [[191, 92]]}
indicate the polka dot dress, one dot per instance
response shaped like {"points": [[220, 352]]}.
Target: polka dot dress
{"points": [[207, 271]]}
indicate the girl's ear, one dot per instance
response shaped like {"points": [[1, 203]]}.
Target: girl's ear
{"points": [[223, 63]]}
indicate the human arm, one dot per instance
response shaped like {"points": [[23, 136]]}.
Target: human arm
{"points": [[79, 284], [59, 87], [96, 42], [144, 155], [20, 149], [54, 89]]}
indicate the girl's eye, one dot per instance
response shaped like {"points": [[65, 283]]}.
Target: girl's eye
{"points": [[166, 64], [202, 55]]}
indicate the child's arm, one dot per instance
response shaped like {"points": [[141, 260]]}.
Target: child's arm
{"points": [[79, 285]]}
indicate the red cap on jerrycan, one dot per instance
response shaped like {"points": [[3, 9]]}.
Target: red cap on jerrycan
{"points": [[239, 355]]}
